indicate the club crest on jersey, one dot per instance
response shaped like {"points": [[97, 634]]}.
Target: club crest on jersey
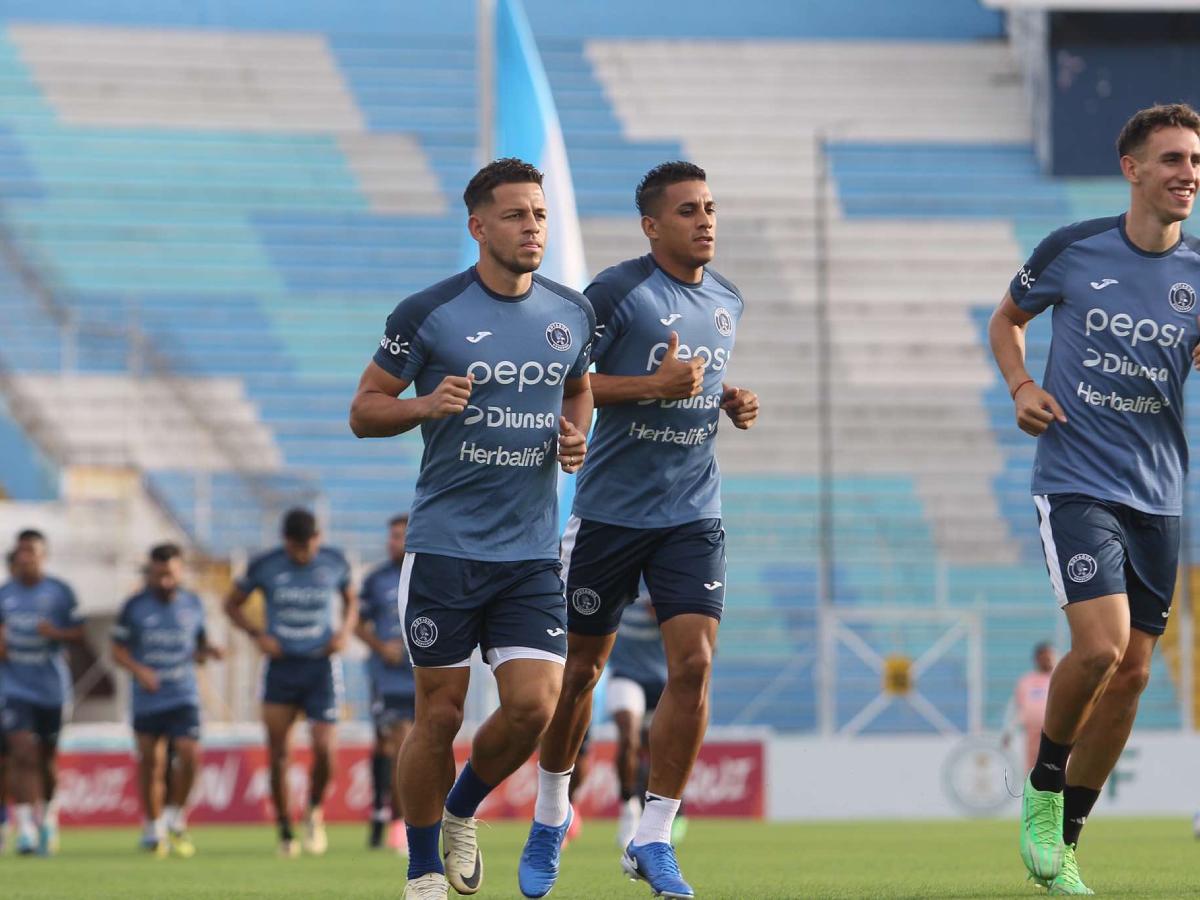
{"points": [[1182, 297], [423, 632], [586, 601], [1081, 568], [723, 321], [558, 336]]}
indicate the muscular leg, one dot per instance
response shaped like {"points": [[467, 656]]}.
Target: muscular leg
{"points": [[397, 735], [1099, 636], [183, 772], [278, 719], [529, 689], [324, 742], [152, 760], [629, 748], [48, 760], [682, 714], [25, 765], [586, 656], [426, 767]]}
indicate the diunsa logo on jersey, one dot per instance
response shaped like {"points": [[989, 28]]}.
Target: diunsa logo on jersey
{"points": [[423, 632], [723, 321], [1182, 297], [559, 336], [1081, 568], [585, 600]]}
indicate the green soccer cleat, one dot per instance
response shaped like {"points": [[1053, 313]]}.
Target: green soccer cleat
{"points": [[1068, 882], [1041, 832]]}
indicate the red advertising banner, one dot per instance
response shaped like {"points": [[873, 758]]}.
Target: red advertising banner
{"points": [[100, 788]]}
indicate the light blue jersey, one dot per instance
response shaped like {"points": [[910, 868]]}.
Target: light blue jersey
{"points": [[35, 670], [487, 488], [1124, 326], [653, 464], [163, 635], [301, 601], [638, 653], [378, 603]]}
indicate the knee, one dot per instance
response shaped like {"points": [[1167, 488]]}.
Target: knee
{"points": [[1130, 680], [277, 753], [690, 672], [580, 676], [530, 713], [1101, 660], [441, 718]]}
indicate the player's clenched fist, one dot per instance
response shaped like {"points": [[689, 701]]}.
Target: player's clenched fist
{"points": [[741, 405], [572, 446], [1036, 409], [450, 397], [678, 379]]}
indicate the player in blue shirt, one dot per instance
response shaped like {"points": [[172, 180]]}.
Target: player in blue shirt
{"points": [[1110, 464], [648, 503], [392, 687], [159, 638], [302, 584], [499, 358], [9, 561], [38, 614]]}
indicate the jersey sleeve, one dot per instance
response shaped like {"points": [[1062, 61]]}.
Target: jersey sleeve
{"points": [[122, 630], [604, 298], [366, 599], [1039, 284], [585, 352], [402, 350], [252, 579], [68, 610]]}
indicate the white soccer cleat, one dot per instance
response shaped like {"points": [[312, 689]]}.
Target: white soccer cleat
{"points": [[464, 862], [430, 886], [627, 821], [315, 840], [289, 848]]}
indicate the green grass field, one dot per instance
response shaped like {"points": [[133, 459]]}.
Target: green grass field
{"points": [[728, 860]]}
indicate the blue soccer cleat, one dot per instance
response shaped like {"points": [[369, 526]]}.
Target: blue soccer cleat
{"points": [[656, 865], [539, 860]]}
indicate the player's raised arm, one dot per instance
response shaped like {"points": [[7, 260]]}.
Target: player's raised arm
{"points": [[378, 410], [1035, 408], [672, 379]]}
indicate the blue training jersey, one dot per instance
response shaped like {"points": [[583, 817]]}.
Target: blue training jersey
{"points": [[378, 603], [164, 635], [301, 601], [488, 484], [35, 670], [653, 464], [638, 653], [1124, 326]]}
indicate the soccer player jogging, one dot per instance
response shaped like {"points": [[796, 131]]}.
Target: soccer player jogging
{"points": [[648, 504], [38, 614], [159, 638], [301, 584], [392, 687], [499, 359], [1110, 464]]}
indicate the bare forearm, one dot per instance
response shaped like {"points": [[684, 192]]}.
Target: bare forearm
{"points": [[1007, 340], [375, 414], [609, 390], [238, 617], [577, 409], [124, 659]]}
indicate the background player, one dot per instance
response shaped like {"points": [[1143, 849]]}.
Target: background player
{"points": [[38, 614], [1110, 464], [499, 358], [648, 504], [9, 560], [301, 583], [1027, 708], [392, 687], [159, 638]]}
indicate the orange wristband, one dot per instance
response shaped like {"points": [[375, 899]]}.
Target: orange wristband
{"points": [[1019, 386]]}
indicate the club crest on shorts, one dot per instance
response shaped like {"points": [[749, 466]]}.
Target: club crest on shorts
{"points": [[1081, 568], [558, 336], [423, 632], [724, 321], [585, 600], [1182, 297]]}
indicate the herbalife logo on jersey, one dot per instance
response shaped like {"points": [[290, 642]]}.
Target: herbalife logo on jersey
{"points": [[1137, 405], [689, 437], [528, 458]]}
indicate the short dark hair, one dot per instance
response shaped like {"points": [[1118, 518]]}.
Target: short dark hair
{"points": [[401, 519], [1145, 122], [508, 170], [650, 189], [1041, 647], [30, 534], [163, 553], [299, 525]]}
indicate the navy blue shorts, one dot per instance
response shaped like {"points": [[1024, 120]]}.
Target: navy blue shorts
{"points": [[176, 722], [684, 568], [1097, 547], [389, 710], [313, 684], [510, 610], [21, 715]]}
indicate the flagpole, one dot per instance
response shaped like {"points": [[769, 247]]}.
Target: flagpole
{"points": [[485, 57]]}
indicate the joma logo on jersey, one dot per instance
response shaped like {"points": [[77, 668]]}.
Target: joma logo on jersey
{"points": [[714, 359], [525, 375], [1143, 331]]}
